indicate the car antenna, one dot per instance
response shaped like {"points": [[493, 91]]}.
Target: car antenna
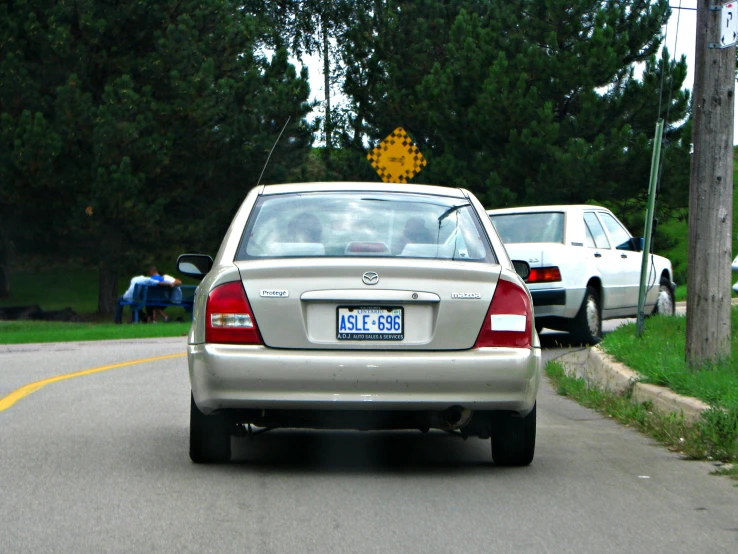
{"points": [[272, 150]]}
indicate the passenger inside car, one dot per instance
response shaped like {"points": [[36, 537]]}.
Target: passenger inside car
{"points": [[304, 227], [360, 224], [301, 237], [414, 232]]}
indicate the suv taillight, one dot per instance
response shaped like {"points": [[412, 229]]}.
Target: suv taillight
{"points": [[228, 316], [544, 275], [508, 320]]}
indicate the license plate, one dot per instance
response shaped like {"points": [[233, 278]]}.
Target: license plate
{"points": [[370, 323]]}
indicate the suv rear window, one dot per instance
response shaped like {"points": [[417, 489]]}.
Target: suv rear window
{"points": [[364, 224], [531, 227]]}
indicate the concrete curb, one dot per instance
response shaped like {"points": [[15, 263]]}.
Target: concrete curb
{"points": [[602, 370]]}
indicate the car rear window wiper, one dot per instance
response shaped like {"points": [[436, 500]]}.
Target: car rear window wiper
{"points": [[451, 210]]}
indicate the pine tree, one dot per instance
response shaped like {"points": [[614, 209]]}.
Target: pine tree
{"points": [[140, 125], [531, 102], [314, 27]]}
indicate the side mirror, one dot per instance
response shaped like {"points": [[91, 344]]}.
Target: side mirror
{"points": [[521, 268], [194, 265], [638, 243]]}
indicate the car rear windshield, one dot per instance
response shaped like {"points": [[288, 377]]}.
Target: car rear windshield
{"points": [[364, 224], [531, 227]]}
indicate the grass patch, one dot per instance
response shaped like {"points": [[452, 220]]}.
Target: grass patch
{"points": [[674, 232], [55, 290], [714, 437], [21, 332], [77, 288], [731, 470], [680, 294], [659, 356]]}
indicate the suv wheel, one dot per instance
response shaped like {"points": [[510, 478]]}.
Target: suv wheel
{"points": [[210, 436], [514, 439]]}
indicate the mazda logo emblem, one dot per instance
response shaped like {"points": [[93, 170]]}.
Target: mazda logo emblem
{"points": [[370, 278]]}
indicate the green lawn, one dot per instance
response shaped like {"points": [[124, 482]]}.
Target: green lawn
{"points": [[680, 294], [56, 289], [659, 356], [20, 332]]}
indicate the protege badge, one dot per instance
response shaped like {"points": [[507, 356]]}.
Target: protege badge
{"points": [[275, 293], [467, 295]]}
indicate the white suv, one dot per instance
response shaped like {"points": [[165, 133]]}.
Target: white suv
{"points": [[585, 266]]}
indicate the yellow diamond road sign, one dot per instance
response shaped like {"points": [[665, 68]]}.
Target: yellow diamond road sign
{"points": [[397, 159]]}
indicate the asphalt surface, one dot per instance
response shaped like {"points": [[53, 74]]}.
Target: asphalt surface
{"points": [[99, 463]]}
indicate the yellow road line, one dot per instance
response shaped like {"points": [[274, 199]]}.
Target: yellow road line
{"points": [[24, 391]]}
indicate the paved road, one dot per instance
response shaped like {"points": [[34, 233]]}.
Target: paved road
{"points": [[99, 464]]}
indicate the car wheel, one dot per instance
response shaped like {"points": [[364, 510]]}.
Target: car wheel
{"points": [[210, 436], [514, 439], [665, 304], [587, 325]]}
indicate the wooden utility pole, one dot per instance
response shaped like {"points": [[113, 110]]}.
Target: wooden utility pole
{"points": [[711, 190]]}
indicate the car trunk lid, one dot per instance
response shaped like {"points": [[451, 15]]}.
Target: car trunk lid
{"points": [[324, 303]]}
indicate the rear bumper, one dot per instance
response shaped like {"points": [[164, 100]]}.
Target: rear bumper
{"points": [[549, 297], [234, 377], [559, 302]]}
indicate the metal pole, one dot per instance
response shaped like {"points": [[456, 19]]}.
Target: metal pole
{"points": [[645, 262]]}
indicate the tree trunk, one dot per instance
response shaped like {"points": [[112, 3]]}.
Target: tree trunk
{"points": [[4, 280], [107, 290], [710, 196], [108, 269], [327, 83], [6, 254], [358, 126]]}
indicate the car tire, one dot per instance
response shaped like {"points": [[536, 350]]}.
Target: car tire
{"points": [[665, 304], [587, 325], [210, 436], [514, 439]]}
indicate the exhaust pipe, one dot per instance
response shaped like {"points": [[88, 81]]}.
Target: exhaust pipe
{"points": [[453, 418]]}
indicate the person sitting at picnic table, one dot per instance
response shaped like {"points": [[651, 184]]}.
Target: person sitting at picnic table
{"points": [[167, 280], [153, 279]]}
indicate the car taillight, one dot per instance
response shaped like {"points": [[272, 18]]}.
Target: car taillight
{"points": [[544, 275], [228, 316], [508, 320]]}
